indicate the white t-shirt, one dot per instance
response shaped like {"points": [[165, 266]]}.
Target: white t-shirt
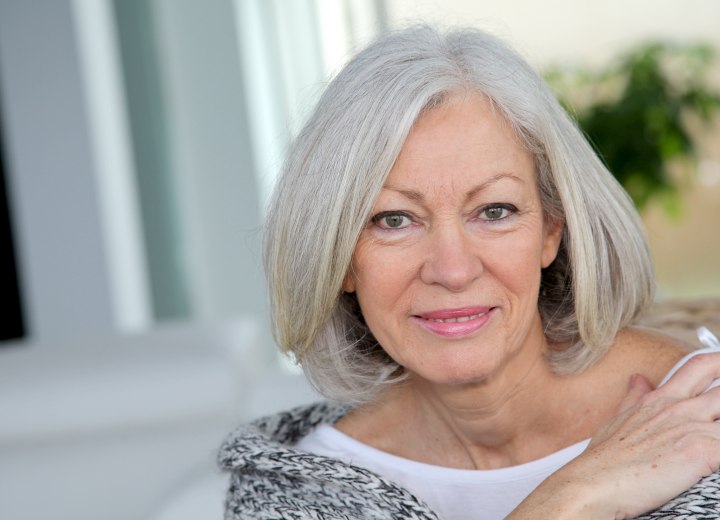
{"points": [[454, 494]]}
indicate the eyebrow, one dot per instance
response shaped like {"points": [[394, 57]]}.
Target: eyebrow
{"points": [[416, 196]]}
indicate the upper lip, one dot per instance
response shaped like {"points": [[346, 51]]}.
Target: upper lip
{"points": [[446, 314]]}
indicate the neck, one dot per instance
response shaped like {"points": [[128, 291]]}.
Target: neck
{"points": [[506, 418]]}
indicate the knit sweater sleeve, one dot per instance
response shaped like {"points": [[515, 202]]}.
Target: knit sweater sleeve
{"points": [[700, 502], [269, 479]]}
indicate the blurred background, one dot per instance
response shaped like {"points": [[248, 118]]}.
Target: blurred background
{"points": [[139, 141]]}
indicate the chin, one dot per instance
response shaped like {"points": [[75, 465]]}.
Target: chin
{"points": [[456, 374]]}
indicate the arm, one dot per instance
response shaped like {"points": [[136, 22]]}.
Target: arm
{"points": [[661, 442]]}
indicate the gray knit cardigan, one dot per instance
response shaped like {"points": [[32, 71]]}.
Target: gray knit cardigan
{"points": [[270, 480]]}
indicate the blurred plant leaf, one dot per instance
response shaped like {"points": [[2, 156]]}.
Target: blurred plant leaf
{"points": [[633, 113]]}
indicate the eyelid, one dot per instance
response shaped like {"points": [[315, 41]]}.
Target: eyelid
{"points": [[381, 214]]}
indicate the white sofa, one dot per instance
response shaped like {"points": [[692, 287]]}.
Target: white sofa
{"points": [[127, 427]]}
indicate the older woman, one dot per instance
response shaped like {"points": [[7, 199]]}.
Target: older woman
{"points": [[450, 261]]}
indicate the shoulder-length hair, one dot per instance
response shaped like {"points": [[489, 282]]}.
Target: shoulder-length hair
{"points": [[602, 277]]}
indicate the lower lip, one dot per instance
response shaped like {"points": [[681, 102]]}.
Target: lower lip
{"points": [[455, 329]]}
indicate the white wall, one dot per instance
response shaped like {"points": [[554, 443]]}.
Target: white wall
{"points": [[577, 31]]}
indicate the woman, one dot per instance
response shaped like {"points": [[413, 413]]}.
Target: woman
{"points": [[449, 259]]}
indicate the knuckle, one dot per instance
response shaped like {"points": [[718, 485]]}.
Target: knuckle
{"points": [[660, 404], [700, 359], [668, 412], [709, 360], [713, 393], [651, 399], [695, 445], [679, 407]]}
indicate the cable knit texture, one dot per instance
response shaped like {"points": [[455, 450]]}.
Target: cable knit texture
{"points": [[271, 480]]}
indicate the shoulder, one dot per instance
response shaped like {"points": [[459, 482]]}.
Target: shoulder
{"points": [[653, 339], [647, 351]]}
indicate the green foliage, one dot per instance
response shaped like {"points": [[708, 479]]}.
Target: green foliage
{"points": [[634, 112]]}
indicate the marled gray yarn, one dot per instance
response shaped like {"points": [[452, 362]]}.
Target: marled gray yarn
{"points": [[270, 480]]}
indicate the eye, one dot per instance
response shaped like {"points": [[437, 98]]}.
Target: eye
{"points": [[497, 211], [391, 220]]}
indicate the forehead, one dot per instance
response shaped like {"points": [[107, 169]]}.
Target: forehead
{"points": [[464, 139]]}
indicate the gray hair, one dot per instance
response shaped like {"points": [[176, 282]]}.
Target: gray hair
{"points": [[335, 169]]}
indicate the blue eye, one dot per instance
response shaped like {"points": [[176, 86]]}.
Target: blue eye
{"points": [[497, 211], [391, 220]]}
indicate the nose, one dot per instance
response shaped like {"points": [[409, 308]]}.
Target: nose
{"points": [[452, 260]]}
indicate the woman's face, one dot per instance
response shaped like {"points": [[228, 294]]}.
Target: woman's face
{"points": [[447, 271]]}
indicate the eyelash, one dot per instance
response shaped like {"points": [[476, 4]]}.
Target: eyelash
{"points": [[377, 220]]}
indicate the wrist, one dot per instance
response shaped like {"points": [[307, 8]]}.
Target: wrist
{"points": [[562, 497]]}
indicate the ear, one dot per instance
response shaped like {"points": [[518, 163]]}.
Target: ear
{"points": [[552, 236], [348, 284]]}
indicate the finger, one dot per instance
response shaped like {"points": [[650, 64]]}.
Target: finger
{"points": [[694, 377], [638, 386], [705, 407]]}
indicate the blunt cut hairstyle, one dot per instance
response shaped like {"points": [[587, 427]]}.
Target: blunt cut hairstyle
{"points": [[602, 277]]}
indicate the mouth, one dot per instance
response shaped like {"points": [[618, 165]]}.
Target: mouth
{"points": [[455, 322], [459, 319]]}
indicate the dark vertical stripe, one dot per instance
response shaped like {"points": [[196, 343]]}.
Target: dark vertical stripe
{"points": [[12, 324]]}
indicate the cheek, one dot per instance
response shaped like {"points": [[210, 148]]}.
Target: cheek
{"points": [[383, 282], [379, 268], [517, 264], [384, 286]]}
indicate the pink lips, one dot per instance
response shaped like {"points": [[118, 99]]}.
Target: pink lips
{"points": [[454, 322]]}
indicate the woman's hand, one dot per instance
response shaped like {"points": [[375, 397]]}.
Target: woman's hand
{"points": [[659, 444]]}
